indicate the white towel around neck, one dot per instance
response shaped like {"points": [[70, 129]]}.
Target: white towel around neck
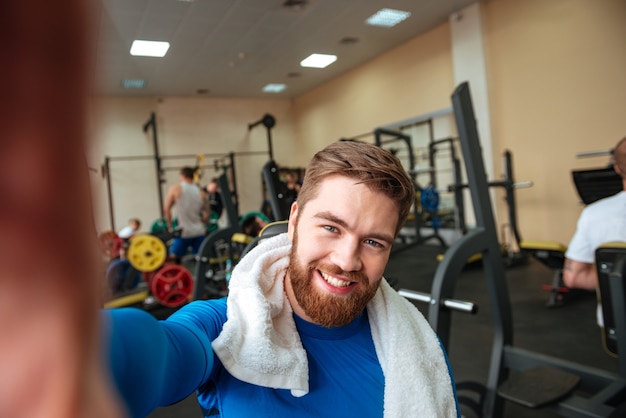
{"points": [[259, 343]]}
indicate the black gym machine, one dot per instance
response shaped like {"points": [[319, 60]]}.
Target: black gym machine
{"points": [[568, 388], [221, 250], [275, 189], [511, 251]]}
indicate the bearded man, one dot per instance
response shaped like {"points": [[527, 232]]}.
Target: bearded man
{"points": [[310, 327]]}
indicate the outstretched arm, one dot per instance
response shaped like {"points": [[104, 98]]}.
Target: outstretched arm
{"points": [[49, 349], [147, 356], [156, 363]]}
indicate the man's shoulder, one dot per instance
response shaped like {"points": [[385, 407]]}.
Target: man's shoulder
{"points": [[175, 189]]}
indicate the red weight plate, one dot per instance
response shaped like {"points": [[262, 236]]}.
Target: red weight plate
{"points": [[110, 244], [171, 285]]}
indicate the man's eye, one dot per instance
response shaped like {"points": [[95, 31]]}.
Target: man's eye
{"points": [[330, 228], [373, 243]]}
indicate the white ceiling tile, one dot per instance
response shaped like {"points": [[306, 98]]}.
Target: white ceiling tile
{"points": [[207, 37]]}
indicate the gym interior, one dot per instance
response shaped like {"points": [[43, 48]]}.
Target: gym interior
{"points": [[548, 93]]}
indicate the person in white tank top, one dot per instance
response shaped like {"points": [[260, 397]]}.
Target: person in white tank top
{"points": [[192, 210]]}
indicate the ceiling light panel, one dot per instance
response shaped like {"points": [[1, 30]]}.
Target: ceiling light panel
{"points": [[318, 60], [274, 88], [387, 17], [133, 84], [141, 48]]}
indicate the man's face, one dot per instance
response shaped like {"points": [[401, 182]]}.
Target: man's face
{"points": [[341, 239]]}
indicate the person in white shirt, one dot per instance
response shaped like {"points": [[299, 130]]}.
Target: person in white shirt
{"points": [[129, 230], [600, 222]]}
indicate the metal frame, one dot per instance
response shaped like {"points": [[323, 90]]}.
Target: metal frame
{"points": [[209, 247], [394, 136], [509, 185], [275, 192], [458, 179], [601, 386], [158, 159]]}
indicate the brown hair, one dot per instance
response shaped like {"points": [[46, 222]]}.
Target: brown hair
{"points": [[619, 157], [366, 163], [188, 172]]}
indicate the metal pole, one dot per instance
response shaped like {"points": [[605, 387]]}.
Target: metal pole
{"points": [[269, 142], [107, 172], [268, 121], [600, 153], [234, 181], [492, 261], [431, 155], [157, 159], [510, 195]]}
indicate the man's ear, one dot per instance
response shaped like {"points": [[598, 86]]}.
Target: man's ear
{"points": [[291, 225]]}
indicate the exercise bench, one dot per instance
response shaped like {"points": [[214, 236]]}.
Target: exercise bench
{"points": [[552, 255]]}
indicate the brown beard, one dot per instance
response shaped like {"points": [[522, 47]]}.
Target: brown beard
{"points": [[322, 308]]}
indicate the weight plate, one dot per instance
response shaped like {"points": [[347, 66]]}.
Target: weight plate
{"points": [[110, 244], [172, 285], [146, 252], [430, 199]]}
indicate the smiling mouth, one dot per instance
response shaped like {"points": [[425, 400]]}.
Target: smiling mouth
{"points": [[333, 281]]}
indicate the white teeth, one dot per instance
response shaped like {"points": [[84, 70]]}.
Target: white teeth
{"points": [[333, 281]]}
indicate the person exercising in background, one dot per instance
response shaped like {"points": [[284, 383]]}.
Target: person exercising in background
{"points": [[215, 198], [600, 222], [192, 211]]}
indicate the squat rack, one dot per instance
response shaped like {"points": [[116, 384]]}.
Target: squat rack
{"points": [[384, 136], [151, 124]]}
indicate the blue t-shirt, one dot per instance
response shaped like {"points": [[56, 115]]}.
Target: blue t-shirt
{"points": [[156, 363]]}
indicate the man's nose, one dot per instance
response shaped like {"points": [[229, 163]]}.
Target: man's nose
{"points": [[346, 254]]}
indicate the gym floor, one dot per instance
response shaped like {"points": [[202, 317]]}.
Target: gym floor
{"points": [[569, 332]]}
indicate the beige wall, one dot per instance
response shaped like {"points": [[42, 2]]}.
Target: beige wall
{"points": [[410, 80], [556, 86], [116, 130]]}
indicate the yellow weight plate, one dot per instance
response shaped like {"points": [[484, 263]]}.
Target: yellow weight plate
{"points": [[146, 252], [241, 238]]}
